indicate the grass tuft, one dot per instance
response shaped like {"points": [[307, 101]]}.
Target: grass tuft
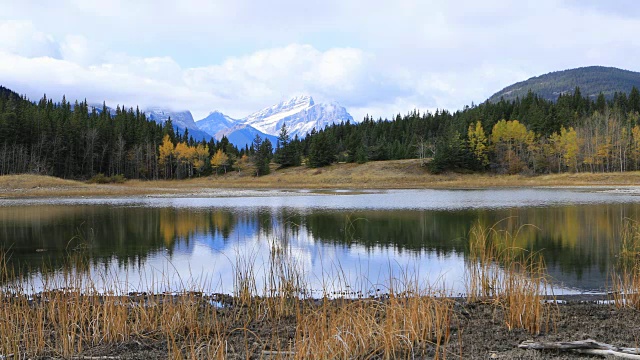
{"points": [[510, 277]]}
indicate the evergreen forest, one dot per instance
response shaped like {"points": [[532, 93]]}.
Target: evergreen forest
{"points": [[530, 135]]}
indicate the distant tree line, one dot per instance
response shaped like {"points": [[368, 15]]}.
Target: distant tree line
{"points": [[528, 135], [78, 141]]}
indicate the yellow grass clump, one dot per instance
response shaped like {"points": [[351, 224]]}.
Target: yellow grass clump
{"points": [[625, 274], [509, 277], [69, 317]]}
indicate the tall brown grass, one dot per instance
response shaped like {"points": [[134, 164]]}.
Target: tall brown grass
{"points": [[413, 323], [625, 274], [69, 316], [508, 276]]}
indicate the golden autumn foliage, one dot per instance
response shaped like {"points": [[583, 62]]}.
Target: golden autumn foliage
{"points": [[570, 147], [243, 163], [478, 143], [165, 155], [511, 143], [186, 159], [220, 159], [183, 152], [200, 156]]}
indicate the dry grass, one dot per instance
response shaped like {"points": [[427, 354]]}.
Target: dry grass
{"points": [[509, 277], [71, 318], [402, 326], [397, 174], [626, 274], [30, 182]]}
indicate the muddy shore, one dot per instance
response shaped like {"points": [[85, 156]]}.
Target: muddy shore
{"points": [[477, 331]]}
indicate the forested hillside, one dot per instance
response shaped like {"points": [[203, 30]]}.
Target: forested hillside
{"points": [[591, 80]]}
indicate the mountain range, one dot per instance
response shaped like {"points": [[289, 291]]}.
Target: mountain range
{"points": [[301, 114], [180, 119], [591, 80]]}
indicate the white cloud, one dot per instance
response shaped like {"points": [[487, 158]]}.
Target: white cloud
{"points": [[77, 49], [22, 38], [115, 84], [269, 76], [375, 56]]}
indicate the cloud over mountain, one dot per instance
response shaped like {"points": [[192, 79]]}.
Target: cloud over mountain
{"points": [[372, 57]]}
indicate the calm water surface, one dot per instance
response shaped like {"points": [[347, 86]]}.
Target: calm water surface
{"points": [[336, 238]]}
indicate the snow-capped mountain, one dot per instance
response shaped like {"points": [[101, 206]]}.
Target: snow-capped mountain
{"points": [[242, 135], [301, 114], [239, 134], [99, 108], [216, 122], [181, 120]]}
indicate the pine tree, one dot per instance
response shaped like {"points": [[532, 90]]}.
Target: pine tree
{"points": [[262, 153], [286, 152], [634, 100], [321, 150]]}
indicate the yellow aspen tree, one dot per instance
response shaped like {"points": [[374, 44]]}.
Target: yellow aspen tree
{"points": [[200, 157], [166, 156], [242, 163], [511, 141], [635, 147], [183, 155], [554, 151], [478, 143], [220, 159], [570, 147]]}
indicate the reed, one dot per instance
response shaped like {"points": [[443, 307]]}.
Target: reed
{"points": [[71, 316], [625, 274], [509, 277], [285, 283], [397, 327]]}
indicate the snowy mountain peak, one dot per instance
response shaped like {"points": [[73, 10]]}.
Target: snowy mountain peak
{"points": [[180, 119], [300, 113], [183, 119], [297, 100], [216, 122]]}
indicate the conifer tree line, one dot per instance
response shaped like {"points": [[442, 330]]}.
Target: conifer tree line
{"points": [[78, 141], [576, 133], [530, 135]]}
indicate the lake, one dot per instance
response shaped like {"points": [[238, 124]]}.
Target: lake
{"points": [[339, 239]]}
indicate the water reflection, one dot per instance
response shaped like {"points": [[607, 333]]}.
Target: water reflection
{"points": [[140, 241]]}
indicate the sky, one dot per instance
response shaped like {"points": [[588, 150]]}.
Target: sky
{"points": [[237, 56]]}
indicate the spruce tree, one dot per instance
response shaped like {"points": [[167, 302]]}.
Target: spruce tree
{"points": [[286, 152]]}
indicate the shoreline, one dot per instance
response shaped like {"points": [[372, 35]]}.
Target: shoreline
{"points": [[373, 176], [471, 330]]}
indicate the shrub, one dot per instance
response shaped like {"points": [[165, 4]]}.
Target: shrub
{"points": [[102, 179]]}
